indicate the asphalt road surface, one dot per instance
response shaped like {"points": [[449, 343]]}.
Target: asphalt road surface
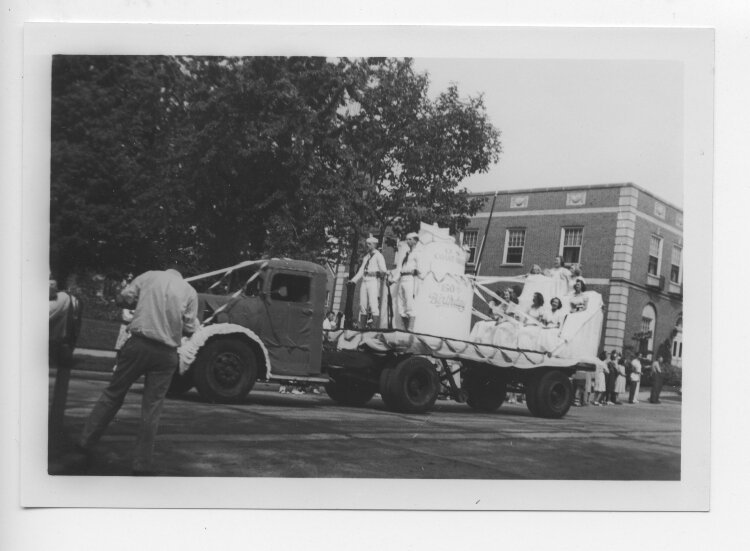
{"points": [[308, 435]]}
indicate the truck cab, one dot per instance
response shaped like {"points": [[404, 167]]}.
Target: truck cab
{"points": [[261, 319]]}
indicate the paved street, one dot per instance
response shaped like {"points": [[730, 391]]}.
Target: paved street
{"points": [[307, 435]]}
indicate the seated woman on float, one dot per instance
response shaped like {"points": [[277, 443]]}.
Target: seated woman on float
{"points": [[533, 320], [578, 300], [502, 330]]}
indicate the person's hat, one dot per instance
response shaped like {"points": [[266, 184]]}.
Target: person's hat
{"points": [[412, 235], [371, 239]]}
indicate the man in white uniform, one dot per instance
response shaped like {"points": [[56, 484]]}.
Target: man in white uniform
{"points": [[407, 288], [370, 272]]}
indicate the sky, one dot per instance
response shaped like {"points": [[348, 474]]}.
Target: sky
{"points": [[576, 122]]}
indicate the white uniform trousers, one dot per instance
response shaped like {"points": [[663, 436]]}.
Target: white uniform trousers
{"points": [[406, 290], [369, 296]]}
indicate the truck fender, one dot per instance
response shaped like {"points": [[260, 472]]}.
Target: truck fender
{"points": [[189, 349]]}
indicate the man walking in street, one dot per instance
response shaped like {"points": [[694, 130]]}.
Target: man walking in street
{"points": [[370, 272], [166, 308]]}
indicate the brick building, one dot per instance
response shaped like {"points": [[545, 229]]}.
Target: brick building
{"points": [[628, 241]]}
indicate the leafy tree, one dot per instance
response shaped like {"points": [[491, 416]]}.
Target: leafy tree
{"points": [[108, 137], [411, 152], [259, 140]]}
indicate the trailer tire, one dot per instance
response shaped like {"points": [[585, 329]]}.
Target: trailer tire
{"points": [[413, 385], [485, 392], [348, 392], [225, 370], [554, 395], [180, 384], [531, 388], [385, 392]]}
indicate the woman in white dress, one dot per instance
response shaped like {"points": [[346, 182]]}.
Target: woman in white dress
{"points": [[528, 336], [549, 340], [506, 330], [484, 330], [600, 380], [578, 301], [561, 277]]}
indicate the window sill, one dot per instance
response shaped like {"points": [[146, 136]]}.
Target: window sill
{"points": [[675, 288]]}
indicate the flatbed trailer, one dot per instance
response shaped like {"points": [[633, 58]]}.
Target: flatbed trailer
{"points": [[269, 326], [410, 370]]}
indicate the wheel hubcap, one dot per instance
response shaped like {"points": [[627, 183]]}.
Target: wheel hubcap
{"points": [[558, 395], [227, 369], [416, 385]]}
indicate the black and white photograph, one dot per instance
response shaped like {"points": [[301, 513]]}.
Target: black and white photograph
{"points": [[382, 267], [402, 276]]}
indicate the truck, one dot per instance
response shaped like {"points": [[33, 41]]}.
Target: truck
{"points": [[263, 320]]}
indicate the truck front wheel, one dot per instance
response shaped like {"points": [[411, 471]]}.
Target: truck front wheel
{"points": [[349, 392], [225, 370], [412, 386]]}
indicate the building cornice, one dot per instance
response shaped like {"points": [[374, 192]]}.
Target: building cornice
{"points": [[584, 210], [577, 188]]}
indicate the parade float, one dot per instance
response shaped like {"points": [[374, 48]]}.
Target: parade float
{"points": [[267, 323]]}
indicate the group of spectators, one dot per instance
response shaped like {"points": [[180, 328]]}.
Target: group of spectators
{"points": [[615, 375]]}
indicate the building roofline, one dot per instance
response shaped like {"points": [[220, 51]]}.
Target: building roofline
{"points": [[575, 188]]}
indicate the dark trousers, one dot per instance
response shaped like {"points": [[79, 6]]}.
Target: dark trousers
{"points": [[657, 381], [137, 357]]}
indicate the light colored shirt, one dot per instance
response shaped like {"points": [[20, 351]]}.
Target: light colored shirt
{"points": [[373, 262], [58, 316], [410, 263], [167, 306]]}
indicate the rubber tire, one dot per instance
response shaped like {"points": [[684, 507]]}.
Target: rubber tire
{"points": [[554, 395], [348, 392], [414, 385], [385, 391], [225, 370], [531, 388], [180, 384], [485, 392]]}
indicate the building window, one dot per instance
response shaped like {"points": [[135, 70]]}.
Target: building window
{"points": [[470, 245], [514, 240], [570, 245], [654, 255], [676, 271], [660, 210], [645, 337]]}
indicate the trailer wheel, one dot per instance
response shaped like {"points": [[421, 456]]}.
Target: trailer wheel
{"points": [[180, 384], [531, 388], [225, 370], [385, 392], [554, 395], [348, 392], [485, 393], [413, 385]]}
